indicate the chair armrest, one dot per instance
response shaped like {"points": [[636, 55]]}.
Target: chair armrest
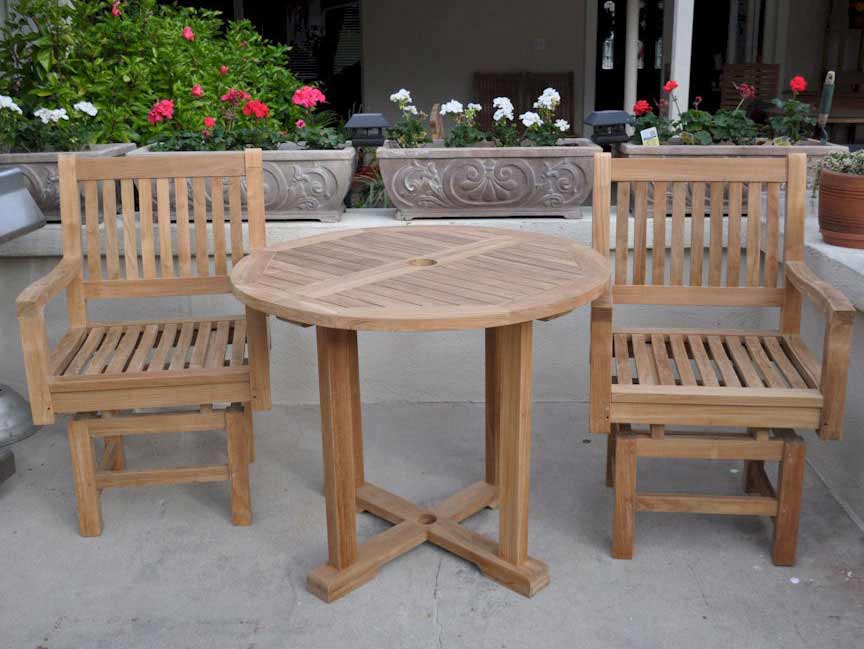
{"points": [[46, 288], [836, 347], [30, 307], [829, 299]]}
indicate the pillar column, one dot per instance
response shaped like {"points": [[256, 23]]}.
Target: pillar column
{"points": [[631, 54], [682, 42]]}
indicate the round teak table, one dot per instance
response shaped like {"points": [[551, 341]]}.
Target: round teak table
{"points": [[413, 278]]}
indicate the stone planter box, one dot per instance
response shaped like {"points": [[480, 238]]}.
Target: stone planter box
{"points": [[298, 183], [814, 150], [40, 172], [439, 182]]}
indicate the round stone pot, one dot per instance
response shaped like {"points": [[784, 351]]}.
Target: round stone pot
{"points": [[841, 209]]}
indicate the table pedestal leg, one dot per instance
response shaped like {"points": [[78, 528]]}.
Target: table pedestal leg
{"points": [[340, 397]]}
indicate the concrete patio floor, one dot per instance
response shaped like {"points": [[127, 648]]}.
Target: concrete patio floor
{"points": [[170, 570]]}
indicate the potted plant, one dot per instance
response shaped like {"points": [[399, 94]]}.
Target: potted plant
{"points": [[841, 197], [731, 133], [221, 90], [510, 171], [48, 104]]}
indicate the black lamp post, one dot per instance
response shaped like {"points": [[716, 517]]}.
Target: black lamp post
{"points": [[610, 126], [367, 129]]}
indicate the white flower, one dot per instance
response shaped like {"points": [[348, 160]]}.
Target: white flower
{"points": [[530, 119], [549, 99], [402, 96], [503, 113], [475, 107], [452, 107], [562, 125], [8, 103], [86, 107], [503, 102], [49, 116], [410, 109]]}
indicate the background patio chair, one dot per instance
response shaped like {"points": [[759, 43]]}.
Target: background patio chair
{"points": [[766, 382], [101, 373]]}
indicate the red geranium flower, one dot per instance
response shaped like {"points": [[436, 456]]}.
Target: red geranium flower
{"points": [[115, 9], [798, 84], [209, 122], [223, 70], [641, 107], [235, 96], [308, 97], [188, 34], [670, 86], [746, 91], [197, 90], [300, 123], [257, 108], [162, 109]]}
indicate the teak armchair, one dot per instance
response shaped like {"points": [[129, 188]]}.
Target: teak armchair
{"points": [[766, 382], [103, 373]]}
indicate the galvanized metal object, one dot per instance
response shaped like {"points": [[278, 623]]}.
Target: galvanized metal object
{"points": [[19, 214]]}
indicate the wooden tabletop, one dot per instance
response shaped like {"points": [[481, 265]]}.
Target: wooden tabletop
{"points": [[415, 278]]}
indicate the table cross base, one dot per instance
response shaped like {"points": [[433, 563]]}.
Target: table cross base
{"points": [[413, 526]]}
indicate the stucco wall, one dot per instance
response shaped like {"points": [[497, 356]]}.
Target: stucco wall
{"points": [[434, 48]]}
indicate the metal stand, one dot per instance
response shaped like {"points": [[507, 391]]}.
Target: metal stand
{"points": [[15, 425]]}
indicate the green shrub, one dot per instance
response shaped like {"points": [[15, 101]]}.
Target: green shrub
{"points": [[125, 57]]}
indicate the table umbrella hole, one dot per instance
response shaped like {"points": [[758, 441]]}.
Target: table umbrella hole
{"points": [[422, 261], [426, 519]]}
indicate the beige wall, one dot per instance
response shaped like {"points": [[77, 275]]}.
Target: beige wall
{"points": [[433, 48]]}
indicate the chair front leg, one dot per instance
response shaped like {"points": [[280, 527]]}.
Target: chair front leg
{"points": [[84, 476]]}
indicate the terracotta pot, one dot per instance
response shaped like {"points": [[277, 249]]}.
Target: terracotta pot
{"points": [[841, 209]]}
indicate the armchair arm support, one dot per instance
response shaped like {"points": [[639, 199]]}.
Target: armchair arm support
{"points": [[601, 364], [30, 307], [837, 345], [829, 299], [46, 288]]}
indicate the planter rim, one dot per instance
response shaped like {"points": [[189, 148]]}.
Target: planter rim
{"points": [[105, 149], [849, 178], [575, 147], [345, 153], [805, 146]]}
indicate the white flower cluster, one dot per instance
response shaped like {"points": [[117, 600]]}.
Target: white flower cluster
{"points": [[475, 107], [51, 116], [530, 119], [9, 104], [452, 107], [562, 125], [505, 109], [86, 107], [401, 97], [550, 99]]}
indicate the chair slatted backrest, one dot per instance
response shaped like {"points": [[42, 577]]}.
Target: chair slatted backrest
{"points": [[129, 204], [724, 212]]}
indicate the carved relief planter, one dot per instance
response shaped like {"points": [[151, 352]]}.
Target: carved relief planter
{"points": [[440, 182], [40, 172], [299, 183]]}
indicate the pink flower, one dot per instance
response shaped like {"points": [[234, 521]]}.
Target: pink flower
{"points": [[188, 34], [162, 109], [670, 86], [257, 108], [235, 96], [798, 84], [223, 70], [300, 123], [308, 97], [209, 122], [197, 90], [746, 91], [115, 9]]}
